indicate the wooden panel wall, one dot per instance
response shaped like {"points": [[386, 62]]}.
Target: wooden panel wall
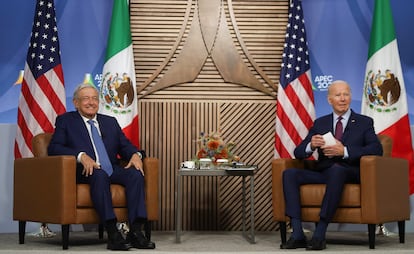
{"points": [[208, 65]]}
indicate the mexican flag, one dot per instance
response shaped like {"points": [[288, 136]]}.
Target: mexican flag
{"points": [[384, 97], [118, 95]]}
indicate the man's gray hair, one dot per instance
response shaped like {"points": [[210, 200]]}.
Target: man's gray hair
{"points": [[338, 81], [80, 87]]}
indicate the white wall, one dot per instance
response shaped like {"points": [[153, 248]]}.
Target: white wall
{"points": [[7, 225]]}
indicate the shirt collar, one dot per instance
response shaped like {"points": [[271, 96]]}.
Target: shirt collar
{"points": [[85, 119], [345, 116]]}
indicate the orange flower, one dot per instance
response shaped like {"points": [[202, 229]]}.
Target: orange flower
{"points": [[222, 155], [201, 154], [212, 146]]}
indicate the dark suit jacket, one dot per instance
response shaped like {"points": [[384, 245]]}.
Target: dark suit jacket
{"points": [[72, 137], [359, 138]]}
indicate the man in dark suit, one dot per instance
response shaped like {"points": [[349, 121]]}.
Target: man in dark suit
{"points": [[337, 163], [74, 135]]}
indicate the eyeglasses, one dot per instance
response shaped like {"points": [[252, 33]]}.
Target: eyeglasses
{"points": [[88, 98]]}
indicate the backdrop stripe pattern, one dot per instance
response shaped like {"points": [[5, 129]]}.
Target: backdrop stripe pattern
{"points": [[295, 102], [42, 95]]}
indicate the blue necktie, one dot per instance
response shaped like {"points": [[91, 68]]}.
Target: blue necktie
{"points": [[100, 149]]}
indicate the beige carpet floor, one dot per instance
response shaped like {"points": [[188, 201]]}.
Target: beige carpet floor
{"points": [[207, 242]]}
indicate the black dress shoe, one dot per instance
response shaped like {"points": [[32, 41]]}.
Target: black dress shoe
{"points": [[317, 244], [139, 241], [294, 244], [117, 242]]}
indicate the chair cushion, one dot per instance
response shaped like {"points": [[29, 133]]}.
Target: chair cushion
{"points": [[84, 197], [312, 195]]}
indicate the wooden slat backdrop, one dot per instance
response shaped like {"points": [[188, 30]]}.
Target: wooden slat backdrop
{"points": [[208, 65]]}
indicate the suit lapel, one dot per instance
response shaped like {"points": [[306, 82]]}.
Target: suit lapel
{"points": [[102, 130], [83, 132], [352, 123], [332, 127], [101, 127]]}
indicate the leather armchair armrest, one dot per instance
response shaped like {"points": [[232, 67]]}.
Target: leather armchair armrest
{"points": [[278, 199], [45, 189], [384, 189], [151, 187]]}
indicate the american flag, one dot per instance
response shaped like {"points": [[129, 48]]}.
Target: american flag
{"points": [[42, 95], [295, 102]]}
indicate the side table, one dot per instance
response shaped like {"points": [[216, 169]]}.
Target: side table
{"points": [[231, 172]]}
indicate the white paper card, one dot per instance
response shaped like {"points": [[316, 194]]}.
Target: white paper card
{"points": [[329, 139]]}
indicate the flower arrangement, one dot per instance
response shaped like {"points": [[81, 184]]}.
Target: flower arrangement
{"points": [[213, 146]]}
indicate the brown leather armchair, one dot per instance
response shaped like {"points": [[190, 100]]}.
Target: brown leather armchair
{"points": [[45, 190], [382, 196]]}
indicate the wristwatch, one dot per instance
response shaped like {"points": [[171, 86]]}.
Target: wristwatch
{"points": [[140, 155]]}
